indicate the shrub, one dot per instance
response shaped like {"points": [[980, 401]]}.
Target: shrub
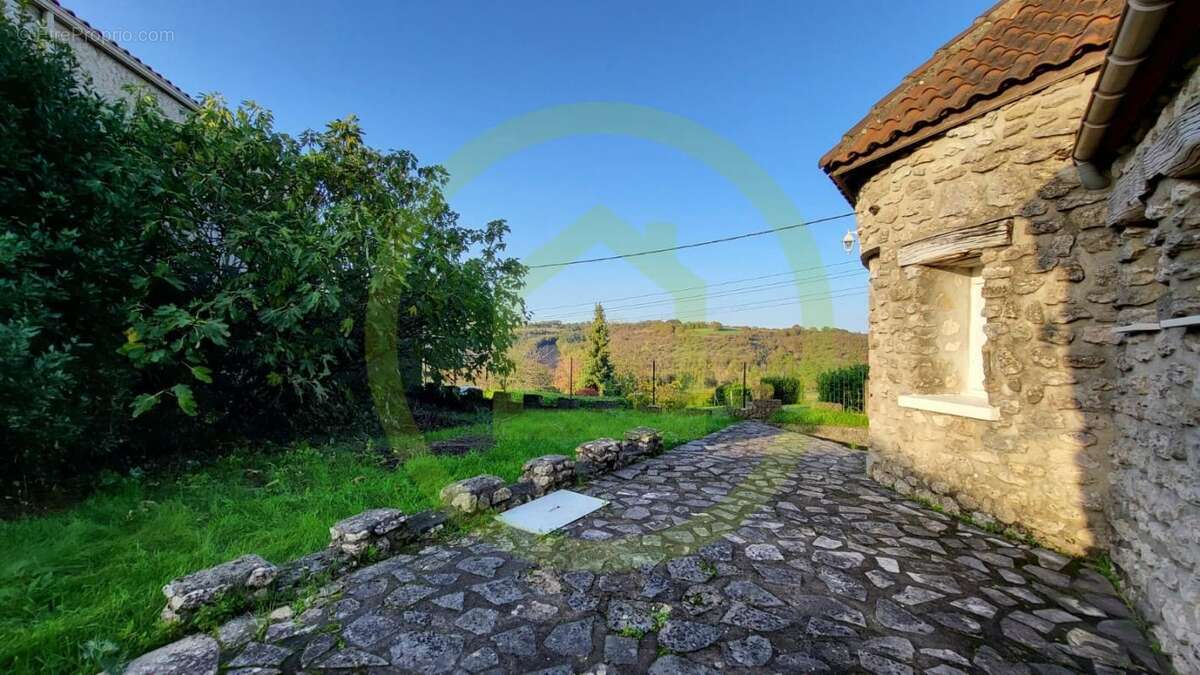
{"points": [[700, 397], [846, 386], [214, 274], [730, 394], [786, 389], [674, 396], [638, 399], [73, 202], [622, 385], [670, 396]]}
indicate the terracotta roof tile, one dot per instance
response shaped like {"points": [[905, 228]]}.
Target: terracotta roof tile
{"points": [[1013, 43]]}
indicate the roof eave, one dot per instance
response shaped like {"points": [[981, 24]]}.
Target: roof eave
{"points": [[83, 29], [1151, 37], [848, 176]]}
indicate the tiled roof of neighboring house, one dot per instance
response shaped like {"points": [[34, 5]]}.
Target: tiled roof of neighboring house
{"points": [[1006, 50], [123, 54]]}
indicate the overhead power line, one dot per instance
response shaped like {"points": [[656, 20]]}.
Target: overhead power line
{"points": [[696, 244], [754, 304], [769, 303], [707, 296], [693, 288], [846, 293]]}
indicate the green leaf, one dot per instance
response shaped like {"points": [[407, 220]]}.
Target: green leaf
{"points": [[202, 373], [143, 403], [183, 396], [347, 326]]}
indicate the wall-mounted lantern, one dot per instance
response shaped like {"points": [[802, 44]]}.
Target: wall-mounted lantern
{"points": [[848, 242]]}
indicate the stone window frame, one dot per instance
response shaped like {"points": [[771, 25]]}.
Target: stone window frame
{"points": [[961, 249], [973, 384]]}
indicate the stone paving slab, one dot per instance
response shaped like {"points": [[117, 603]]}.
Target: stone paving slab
{"points": [[750, 550]]}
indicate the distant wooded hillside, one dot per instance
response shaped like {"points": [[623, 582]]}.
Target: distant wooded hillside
{"points": [[697, 355]]}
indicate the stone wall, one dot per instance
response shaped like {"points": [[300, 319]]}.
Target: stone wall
{"points": [[352, 542], [1155, 505], [110, 77], [545, 474], [548, 473], [759, 409], [382, 532], [1096, 444], [1049, 306]]}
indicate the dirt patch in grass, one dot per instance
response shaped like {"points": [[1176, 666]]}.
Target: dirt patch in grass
{"points": [[462, 445]]}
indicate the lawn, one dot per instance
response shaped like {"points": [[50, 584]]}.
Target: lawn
{"points": [[94, 573], [807, 416]]}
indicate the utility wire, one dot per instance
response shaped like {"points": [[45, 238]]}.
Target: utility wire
{"points": [[705, 296], [708, 296], [761, 304], [693, 288], [847, 294], [785, 300], [755, 304], [694, 244]]}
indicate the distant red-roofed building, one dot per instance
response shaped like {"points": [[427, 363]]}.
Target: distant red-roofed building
{"points": [[1029, 211]]}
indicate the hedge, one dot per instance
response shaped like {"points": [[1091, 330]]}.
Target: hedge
{"points": [[846, 386]]}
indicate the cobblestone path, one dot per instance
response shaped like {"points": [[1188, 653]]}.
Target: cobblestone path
{"points": [[751, 550]]}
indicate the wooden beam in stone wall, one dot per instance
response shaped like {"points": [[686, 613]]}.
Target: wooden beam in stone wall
{"points": [[1174, 153], [1125, 203], [867, 254], [956, 245]]}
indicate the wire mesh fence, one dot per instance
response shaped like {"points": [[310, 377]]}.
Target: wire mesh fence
{"points": [[846, 387]]}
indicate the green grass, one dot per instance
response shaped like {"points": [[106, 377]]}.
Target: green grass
{"points": [[73, 581], [1104, 565], [804, 415]]}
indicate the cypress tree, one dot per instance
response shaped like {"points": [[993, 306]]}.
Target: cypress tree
{"points": [[598, 370]]}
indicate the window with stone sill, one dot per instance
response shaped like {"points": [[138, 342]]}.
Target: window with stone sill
{"points": [[960, 343], [973, 379]]}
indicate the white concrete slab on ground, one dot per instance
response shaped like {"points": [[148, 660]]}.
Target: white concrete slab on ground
{"points": [[546, 514]]}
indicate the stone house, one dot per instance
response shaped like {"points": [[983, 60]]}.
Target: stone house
{"points": [[111, 67], [1029, 212]]}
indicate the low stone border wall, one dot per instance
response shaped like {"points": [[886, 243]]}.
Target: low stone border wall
{"points": [[761, 409], [548, 473], [545, 474], [599, 456], [366, 535], [485, 493], [247, 576], [377, 533]]}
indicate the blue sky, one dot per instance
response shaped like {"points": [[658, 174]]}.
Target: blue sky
{"points": [[781, 81]]}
